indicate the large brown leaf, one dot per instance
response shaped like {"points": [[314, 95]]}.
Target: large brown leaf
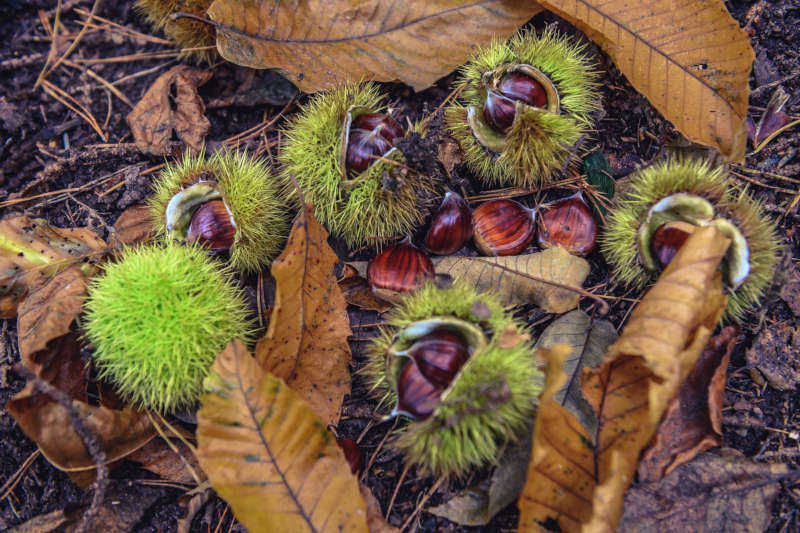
{"points": [[32, 251], [691, 60], [323, 43], [306, 344], [270, 456], [578, 479]]}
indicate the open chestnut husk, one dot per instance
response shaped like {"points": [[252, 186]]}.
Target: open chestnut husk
{"points": [[500, 107], [212, 226], [568, 223], [371, 136], [668, 239], [439, 356], [503, 227], [451, 226], [397, 269]]}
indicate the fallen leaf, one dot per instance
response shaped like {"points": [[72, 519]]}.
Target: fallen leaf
{"points": [[324, 43], [134, 225], [32, 251], [356, 291], [306, 343], [157, 114], [270, 456], [589, 340], [157, 457], [124, 504], [478, 504], [44, 523], [375, 521], [692, 61], [773, 121], [693, 421], [578, 479], [718, 491], [774, 354], [518, 279]]}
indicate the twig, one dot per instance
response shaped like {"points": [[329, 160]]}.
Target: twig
{"points": [[87, 437], [424, 500], [396, 490], [47, 70], [15, 478]]}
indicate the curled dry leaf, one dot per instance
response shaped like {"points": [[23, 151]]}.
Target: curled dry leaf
{"points": [[172, 465], [578, 479], [692, 62], [717, 491], [773, 121], [323, 43], [693, 421], [356, 291], [157, 114], [134, 225], [270, 456], [306, 344], [32, 251], [375, 521]]}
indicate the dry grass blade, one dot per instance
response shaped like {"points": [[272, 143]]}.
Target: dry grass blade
{"points": [[69, 102]]}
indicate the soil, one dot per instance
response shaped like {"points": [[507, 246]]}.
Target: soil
{"points": [[45, 147]]}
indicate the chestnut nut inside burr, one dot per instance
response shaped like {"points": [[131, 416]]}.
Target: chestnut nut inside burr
{"points": [[372, 135], [500, 107], [212, 226]]}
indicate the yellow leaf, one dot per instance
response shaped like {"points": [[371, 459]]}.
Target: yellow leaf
{"points": [[579, 479], [323, 43], [306, 344], [269, 456], [692, 61]]}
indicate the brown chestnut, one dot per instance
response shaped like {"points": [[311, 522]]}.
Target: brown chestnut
{"points": [[212, 226], [372, 135], [503, 227], [499, 109], [668, 239], [451, 226], [398, 268], [416, 396], [439, 356], [568, 223]]}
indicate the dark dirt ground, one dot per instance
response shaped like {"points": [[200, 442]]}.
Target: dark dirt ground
{"points": [[46, 147]]}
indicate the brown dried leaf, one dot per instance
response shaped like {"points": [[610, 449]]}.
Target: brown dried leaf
{"points": [[773, 122], [32, 251], [323, 43], [157, 457], [270, 456], [693, 421], [134, 225], [578, 479], [718, 491], [357, 291], [375, 521], [692, 62], [306, 344], [157, 113]]}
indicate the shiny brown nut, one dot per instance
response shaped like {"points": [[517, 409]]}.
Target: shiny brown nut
{"points": [[503, 227], [568, 223], [439, 356], [397, 269], [668, 239], [499, 108], [416, 396], [212, 226], [451, 226], [371, 136]]}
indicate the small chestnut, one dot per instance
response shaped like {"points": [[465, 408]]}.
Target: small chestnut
{"points": [[398, 268], [439, 356], [371, 135], [451, 226], [568, 223], [668, 239], [212, 226], [503, 227], [499, 109], [416, 396]]}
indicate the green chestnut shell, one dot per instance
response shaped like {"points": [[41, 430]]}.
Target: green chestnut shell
{"points": [[692, 191], [491, 398], [538, 143], [386, 200], [247, 188]]}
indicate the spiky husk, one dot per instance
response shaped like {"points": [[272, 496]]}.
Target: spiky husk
{"points": [[157, 318], [386, 200], [685, 175], [464, 431], [186, 33], [251, 194], [539, 143]]}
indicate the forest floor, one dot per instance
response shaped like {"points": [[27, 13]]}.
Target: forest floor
{"points": [[45, 148]]}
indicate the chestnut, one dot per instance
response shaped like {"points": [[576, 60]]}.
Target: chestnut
{"points": [[451, 226], [439, 356], [499, 109], [568, 223], [416, 396], [212, 226], [371, 135], [397, 269], [668, 239], [503, 227]]}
